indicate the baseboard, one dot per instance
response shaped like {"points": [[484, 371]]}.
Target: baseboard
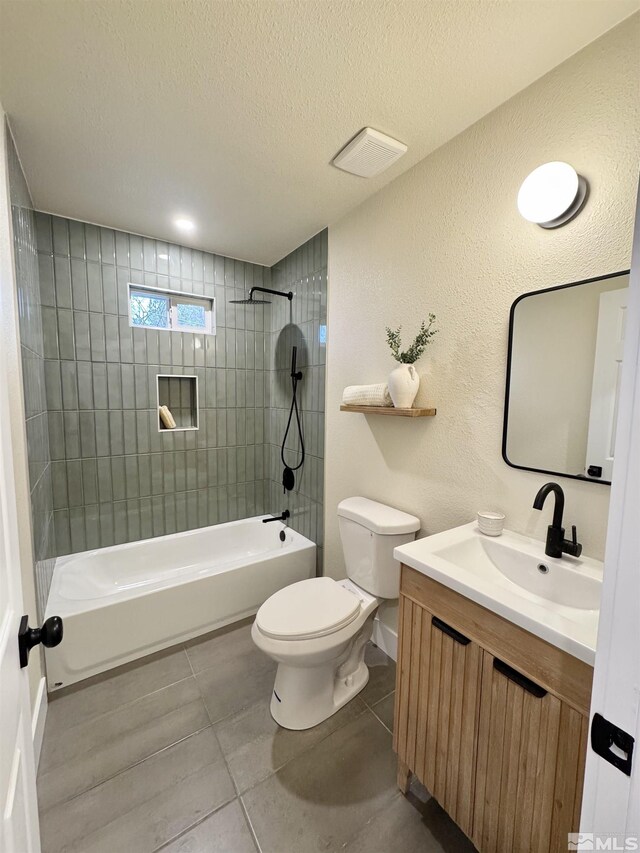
{"points": [[38, 719], [385, 638]]}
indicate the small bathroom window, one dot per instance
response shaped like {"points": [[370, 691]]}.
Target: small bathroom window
{"points": [[178, 396], [170, 310]]}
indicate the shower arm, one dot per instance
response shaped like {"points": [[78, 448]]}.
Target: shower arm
{"points": [[253, 290]]}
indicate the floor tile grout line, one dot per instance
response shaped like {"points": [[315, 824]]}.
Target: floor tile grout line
{"points": [[372, 705], [126, 704], [43, 770], [193, 825], [305, 750], [254, 834], [380, 721], [130, 767]]}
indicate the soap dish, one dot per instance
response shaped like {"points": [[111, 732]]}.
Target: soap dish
{"points": [[491, 523]]}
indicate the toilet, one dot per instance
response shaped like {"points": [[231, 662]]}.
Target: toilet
{"points": [[317, 629]]}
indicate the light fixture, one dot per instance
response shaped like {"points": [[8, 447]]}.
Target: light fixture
{"points": [[552, 194], [184, 224]]}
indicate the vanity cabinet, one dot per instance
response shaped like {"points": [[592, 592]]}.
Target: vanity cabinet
{"points": [[491, 719]]}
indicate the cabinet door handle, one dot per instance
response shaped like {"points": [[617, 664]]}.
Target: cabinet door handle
{"points": [[520, 679], [451, 632]]}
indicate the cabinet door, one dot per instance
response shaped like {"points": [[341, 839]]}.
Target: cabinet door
{"points": [[437, 705], [518, 741]]}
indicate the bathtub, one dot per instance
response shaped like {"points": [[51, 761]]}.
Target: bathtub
{"points": [[123, 602]]}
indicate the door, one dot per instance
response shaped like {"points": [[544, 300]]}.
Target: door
{"points": [[20, 831], [611, 802], [437, 707], [605, 392]]}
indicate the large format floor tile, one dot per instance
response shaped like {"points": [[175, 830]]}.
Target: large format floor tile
{"points": [[226, 831], [89, 753], [147, 805], [151, 757], [114, 689], [316, 802], [255, 746]]}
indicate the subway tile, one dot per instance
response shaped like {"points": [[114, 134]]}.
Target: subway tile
{"points": [[107, 246], [122, 248], [71, 426], [81, 335], [85, 385], [92, 242], [50, 332], [79, 292], [68, 373], [109, 290], [46, 280], [94, 287]]}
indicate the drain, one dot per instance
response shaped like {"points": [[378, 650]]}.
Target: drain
{"points": [[543, 569]]}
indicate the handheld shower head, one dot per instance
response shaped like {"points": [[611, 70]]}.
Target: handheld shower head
{"points": [[252, 301]]}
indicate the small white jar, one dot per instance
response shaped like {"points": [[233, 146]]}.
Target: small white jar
{"points": [[491, 523]]}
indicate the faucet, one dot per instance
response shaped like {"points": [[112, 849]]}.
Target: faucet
{"points": [[556, 544], [283, 517]]}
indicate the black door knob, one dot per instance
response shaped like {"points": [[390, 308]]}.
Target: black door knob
{"points": [[49, 635]]}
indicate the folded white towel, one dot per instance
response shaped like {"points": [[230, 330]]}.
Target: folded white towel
{"points": [[367, 395]]}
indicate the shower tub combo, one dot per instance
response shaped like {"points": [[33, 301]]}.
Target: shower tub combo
{"points": [[123, 602]]}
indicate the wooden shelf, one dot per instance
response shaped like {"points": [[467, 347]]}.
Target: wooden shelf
{"points": [[390, 410]]}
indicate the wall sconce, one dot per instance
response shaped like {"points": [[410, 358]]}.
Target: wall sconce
{"points": [[552, 194]]}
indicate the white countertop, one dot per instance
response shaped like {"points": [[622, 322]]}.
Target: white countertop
{"points": [[561, 605]]}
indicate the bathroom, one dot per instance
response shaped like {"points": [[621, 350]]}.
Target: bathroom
{"points": [[269, 613]]}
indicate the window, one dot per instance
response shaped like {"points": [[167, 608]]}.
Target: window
{"points": [[162, 309]]}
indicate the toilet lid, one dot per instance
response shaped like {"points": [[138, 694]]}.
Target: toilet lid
{"points": [[307, 609]]}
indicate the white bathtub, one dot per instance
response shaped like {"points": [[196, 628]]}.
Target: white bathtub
{"points": [[127, 601]]}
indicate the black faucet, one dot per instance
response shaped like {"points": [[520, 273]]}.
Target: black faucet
{"points": [[285, 515], [557, 545]]}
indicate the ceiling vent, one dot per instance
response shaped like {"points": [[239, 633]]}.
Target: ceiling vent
{"points": [[370, 153]]}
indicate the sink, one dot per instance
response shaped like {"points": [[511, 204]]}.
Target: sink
{"points": [[555, 599]]}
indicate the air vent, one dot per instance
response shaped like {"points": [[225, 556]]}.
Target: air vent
{"points": [[369, 154]]}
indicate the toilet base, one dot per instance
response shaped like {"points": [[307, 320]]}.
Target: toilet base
{"points": [[303, 698]]}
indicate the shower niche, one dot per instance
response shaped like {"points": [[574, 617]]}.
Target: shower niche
{"points": [[177, 402]]}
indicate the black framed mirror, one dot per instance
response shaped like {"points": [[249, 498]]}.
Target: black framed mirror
{"points": [[563, 369]]}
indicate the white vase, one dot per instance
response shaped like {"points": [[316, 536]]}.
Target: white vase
{"points": [[403, 386]]}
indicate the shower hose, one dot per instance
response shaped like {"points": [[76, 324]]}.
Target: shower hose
{"points": [[288, 476]]}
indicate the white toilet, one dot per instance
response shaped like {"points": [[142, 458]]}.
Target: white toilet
{"points": [[317, 629]]}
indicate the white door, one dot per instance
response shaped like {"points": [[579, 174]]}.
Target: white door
{"points": [[611, 800], [20, 833], [605, 392], [20, 830]]}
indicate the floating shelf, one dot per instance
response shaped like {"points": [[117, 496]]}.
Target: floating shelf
{"points": [[390, 410]]}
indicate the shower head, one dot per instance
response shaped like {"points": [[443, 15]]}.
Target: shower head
{"points": [[252, 301]]}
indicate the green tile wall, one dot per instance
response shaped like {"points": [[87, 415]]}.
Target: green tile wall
{"points": [[115, 477], [32, 356], [301, 322]]}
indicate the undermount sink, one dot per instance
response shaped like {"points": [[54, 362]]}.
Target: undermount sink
{"points": [[555, 599]]}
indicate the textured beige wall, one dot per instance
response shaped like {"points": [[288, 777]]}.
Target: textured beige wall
{"points": [[447, 237]]}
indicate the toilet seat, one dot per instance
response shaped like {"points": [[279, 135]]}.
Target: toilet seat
{"points": [[308, 609]]}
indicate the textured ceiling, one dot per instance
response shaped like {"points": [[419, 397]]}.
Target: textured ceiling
{"points": [[130, 113]]}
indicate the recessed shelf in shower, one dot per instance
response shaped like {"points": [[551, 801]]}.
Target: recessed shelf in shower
{"points": [[180, 395]]}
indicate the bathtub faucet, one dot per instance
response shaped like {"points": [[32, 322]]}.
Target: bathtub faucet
{"points": [[285, 515]]}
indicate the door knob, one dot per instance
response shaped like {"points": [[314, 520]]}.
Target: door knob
{"points": [[49, 635]]}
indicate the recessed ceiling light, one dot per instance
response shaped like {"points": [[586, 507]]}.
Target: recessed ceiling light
{"points": [[552, 194], [184, 224]]}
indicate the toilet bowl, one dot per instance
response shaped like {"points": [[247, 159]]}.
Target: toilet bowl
{"points": [[317, 629]]}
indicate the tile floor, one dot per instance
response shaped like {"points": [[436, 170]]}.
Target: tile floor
{"points": [[178, 752]]}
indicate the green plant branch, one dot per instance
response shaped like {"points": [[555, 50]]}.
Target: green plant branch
{"points": [[420, 343]]}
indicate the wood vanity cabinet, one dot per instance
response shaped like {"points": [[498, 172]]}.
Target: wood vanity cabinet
{"points": [[491, 719]]}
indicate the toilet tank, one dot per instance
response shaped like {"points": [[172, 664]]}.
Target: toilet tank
{"points": [[369, 532]]}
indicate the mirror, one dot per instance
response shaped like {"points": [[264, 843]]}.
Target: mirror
{"points": [[563, 369]]}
